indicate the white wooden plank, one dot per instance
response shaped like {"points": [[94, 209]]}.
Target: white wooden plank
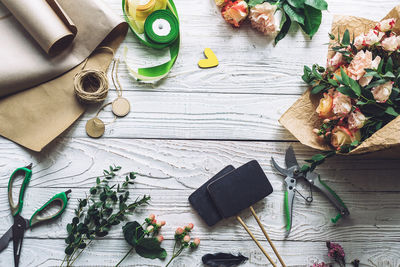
{"points": [[39, 252], [179, 164]]}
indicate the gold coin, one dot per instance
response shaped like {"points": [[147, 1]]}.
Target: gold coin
{"points": [[95, 127], [121, 107]]}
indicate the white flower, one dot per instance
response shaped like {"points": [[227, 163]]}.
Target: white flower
{"points": [[356, 120], [341, 104], [382, 92], [373, 37], [262, 18], [334, 62], [364, 81], [359, 41], [391, 43], [386, 25]]}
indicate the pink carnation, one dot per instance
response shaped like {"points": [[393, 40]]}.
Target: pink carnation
{"points": [[262, 18], [361, 61]]}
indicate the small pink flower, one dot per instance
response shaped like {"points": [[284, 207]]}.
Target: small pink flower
{"points": [[341, 104], [386, 25], [196, 241], [151, 217], [154, 221], [160, 223], [359, 41], [362, 60], [391, 43], [356, 120], [364, 81], [262, 18], [189, 227], [179, 231], [322, 264], [382, 92], [335, 62], [160, 238], [186, 239], [336, 252], [150, 228]]}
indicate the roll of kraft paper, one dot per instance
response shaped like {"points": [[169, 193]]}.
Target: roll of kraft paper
{"points": [[160, 31], [46, 22]]}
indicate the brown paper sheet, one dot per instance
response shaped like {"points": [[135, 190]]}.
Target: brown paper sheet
{"points": [[300, 119], [35, 117], [45, 21], [25, 64]]}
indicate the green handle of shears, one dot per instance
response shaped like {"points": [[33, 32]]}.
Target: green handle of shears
{"points": [[287, 211], [27, 172], [62, 198]]}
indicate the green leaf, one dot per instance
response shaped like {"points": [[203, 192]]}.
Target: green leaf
{"points": [[284, 28], [317, 89], [253, 3], [389, 65], [69, 249], [391, 111], [355, 87], [345, 77], [333, 82], [346, 90], [296, 3], [380, 67], [150, 248], [133, 232], [306, 76], [318, 157], [388, 74], [318, 4], [97, 180], [346, 38], [312, 20], [294, 14]]}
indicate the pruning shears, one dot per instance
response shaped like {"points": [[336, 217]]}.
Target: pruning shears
{"points": [[17, 230], [293, 173]]}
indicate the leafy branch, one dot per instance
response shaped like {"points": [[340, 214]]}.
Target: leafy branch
{"points": [[104, 207]]}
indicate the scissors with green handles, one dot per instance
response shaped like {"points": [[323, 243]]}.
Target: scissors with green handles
{"points": [[17, 230]]}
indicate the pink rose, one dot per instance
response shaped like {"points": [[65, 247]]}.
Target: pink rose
{"points": [[179, 231], [356, 120], [364, 81], [382, 92], [391, 43], [361, 61], [334, 62], [386, 25], [359, 41], [262, 18], [196, 242], [343, 136], [373, 37], [235, 12], [186, 239], [341, 104]]}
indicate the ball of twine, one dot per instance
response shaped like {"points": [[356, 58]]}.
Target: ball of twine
{"points": [[91, 86]]}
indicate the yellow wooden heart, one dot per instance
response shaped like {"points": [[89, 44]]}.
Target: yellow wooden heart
{"points": [[210, 61]]}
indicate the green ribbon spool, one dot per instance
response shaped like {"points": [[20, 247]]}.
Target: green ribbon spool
{"points": [[161, 27], [151, 39]]}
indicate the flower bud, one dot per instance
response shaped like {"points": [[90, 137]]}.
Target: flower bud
{"points": [[189, 227], [196, 241], [150, 228], [179, 231], [160, 238], [160, 224], [151, 217], [186, 239], [154, 221]]}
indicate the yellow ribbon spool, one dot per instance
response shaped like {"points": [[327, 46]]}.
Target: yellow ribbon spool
{"points": [[139, 10]]}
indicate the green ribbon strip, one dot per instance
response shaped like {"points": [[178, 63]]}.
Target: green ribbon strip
{"points": [[150, 39]]}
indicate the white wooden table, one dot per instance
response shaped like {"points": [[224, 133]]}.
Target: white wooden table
{"points": [[194, 123]]}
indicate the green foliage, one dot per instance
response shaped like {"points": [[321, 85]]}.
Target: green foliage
{"points": [[316, 160], [306, 13], [104, 207]]}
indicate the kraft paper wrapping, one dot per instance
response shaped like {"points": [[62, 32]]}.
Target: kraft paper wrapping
{"points": [[25, 64], [35, 117], [45, 21], [300, 119]]}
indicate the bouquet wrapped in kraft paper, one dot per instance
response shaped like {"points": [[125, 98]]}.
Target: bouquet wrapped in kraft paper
{"points": [[302, 120]]}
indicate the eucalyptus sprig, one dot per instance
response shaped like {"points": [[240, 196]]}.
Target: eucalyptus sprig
{"points": [[104, 207], [306, 13]]}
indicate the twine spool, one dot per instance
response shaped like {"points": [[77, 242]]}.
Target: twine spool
{"points": [[91, 86]]}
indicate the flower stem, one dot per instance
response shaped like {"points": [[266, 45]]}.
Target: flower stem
{"points": [[126, 255], [175, 255]]}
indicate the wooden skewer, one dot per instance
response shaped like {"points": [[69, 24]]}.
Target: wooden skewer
{"points": [[255, 240], [266, 235]]}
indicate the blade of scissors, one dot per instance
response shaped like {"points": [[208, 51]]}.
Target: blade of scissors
{"points": [[290, 158], [280, 169], [5, 239], [18, 229]]}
